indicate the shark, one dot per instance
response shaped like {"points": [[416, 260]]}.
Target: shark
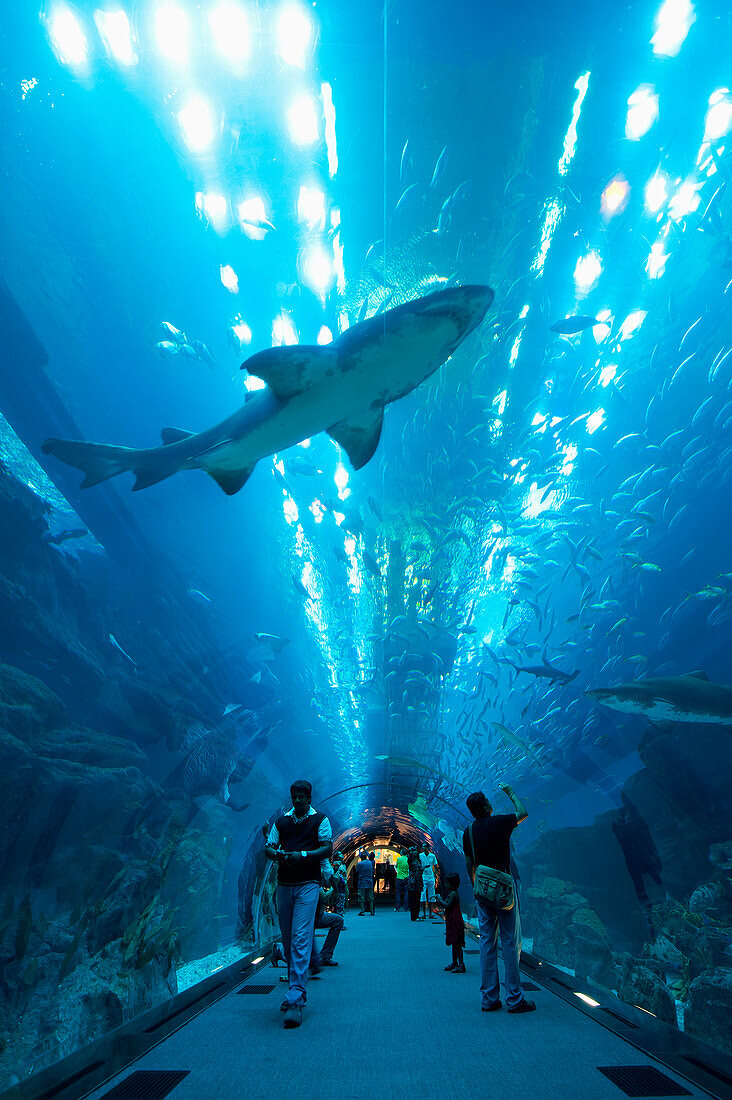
{"points": [[690, 698], [341, 388], [546, 670]]}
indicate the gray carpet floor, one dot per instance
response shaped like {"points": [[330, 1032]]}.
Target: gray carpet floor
{"points": [[388, 1022]]}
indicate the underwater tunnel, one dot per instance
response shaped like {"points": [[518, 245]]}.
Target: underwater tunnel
{"points": [[408, 325]]}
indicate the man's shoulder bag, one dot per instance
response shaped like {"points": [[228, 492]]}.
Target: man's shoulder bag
{"points": [[494, 887]]}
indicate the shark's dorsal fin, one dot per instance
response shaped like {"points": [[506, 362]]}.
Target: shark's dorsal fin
{"points": [[698, 675], [290, 370], [359, 436], [231, 481], [174, 435]]}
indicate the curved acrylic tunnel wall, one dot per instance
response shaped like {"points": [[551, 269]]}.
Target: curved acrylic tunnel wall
{"points": [[544, 518]]}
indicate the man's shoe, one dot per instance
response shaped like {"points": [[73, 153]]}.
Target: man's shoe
{"points": [[328, 962], [360, 914], [293, 1016], [492, 1008], [459, 969], [285, 1005], [523, 1006], [450, 968]]}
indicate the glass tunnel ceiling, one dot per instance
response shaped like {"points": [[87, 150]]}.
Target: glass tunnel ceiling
{"points": [[533, 501]]}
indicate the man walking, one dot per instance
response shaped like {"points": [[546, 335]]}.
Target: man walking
{"points": [[402, 873], [333, 922], [490, 846], [298, 841], [365, 871]]}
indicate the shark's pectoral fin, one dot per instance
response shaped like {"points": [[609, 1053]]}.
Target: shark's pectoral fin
{"points": [[174, 435], [292, 369], [359, 436], [698, 675], [231, 481]]}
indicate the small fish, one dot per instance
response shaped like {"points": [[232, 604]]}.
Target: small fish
{"points": [[167, 348], [173, 333], [405, 197], [439, 168], [403, 162], [198, 596], [118, 647], [275, 643]]}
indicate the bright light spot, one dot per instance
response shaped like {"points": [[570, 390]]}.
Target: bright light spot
{"points": [[673, 21], [311, 208], [656, 192], [615, 197], [316, 270], [302, 121], [231, 32], [325, 336], [608, 373], [534, 505], [500, 403], [587, 1000], [27, 86], [229, 278], [326, 96], [67, 38], [196, 122], [252, 217], [114, 31], [685, 201], [341, 476], [252, 383], [587, 272], [539, 418], [594, 420], [304, 443], [338, 260], [283, 330], [290, 509], [632, 323], [656, 262], [242, 331], [570, 140], [212, 207], [642, 111], [569, 455], [343, 321], [553, 213], [294, 35], [719, 116], [515, 349], [601, 332], [318, 510], [349, 545], [171, 32]]}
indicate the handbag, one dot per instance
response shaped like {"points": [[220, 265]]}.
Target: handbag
{"points": [[493, 887]]}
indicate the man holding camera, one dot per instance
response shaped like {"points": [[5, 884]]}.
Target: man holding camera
{"points": [[487, 847]]}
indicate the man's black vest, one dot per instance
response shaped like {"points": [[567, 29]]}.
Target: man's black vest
{"points": [[299, 836]]}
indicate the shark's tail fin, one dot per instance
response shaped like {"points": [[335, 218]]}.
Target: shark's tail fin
{"points": [[99, 461]]}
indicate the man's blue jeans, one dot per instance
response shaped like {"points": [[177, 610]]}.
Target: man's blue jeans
{"points": [[490, 920], [296, 907], [402, 898]]}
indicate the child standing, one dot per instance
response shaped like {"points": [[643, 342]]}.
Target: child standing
{"points": [[454, 926]]}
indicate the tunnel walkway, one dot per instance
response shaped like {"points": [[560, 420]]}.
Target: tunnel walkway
{"points": [[388, 1022]]}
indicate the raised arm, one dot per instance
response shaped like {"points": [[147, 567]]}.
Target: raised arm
{"points": [[521, 811]]}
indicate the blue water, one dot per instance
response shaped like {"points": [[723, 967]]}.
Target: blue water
{"points": [[543, 496]]}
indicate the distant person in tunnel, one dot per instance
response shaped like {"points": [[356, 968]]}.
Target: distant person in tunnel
{"points": [[402, 876], [641, 854], [428, 861], [414, 882], [299, 842], [365, 880], [487, 845]]}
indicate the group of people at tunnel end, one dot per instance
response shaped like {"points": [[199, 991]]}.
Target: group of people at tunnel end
{"points": [[300, 843]]}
